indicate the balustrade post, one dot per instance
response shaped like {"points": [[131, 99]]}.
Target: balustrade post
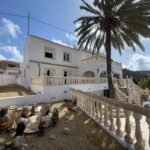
{"points": [[91, 106], [139, 145], [84, 102], [112, 125], [77, 94], [148, 121], [106, 115], [101, 112], [88, 104], [118, 122], [80, 99], [128, 137], [97, 110], [93, 101]]}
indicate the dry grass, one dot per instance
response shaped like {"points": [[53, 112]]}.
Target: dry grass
{"points": [[13, 90], [85, 134]]}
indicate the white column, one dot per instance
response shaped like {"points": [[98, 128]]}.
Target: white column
{"points": [[112, 125], [128, 137], [118, 122], [106, 115], [138, 134]]}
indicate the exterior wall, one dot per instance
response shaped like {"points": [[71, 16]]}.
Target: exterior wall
{"points": [[25, 100], [7, 79], [65, 90], [34, 58], [96, 65], [9, 67], [36, 52]]}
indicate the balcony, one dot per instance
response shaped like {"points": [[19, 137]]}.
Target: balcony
{"points": [[50, 81]]}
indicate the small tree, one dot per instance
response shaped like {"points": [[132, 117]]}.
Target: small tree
{"points": [[145, 83], [113, 23]]}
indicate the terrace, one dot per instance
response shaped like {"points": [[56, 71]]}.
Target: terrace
{"points": [[95, 120], [49, 81]]}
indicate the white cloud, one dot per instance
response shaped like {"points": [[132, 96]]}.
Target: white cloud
{"points": [[2, 57], [139, 62], [77, 25], [71, 37], [16, 55], [9, 28], [142, 39], [59, 42]]}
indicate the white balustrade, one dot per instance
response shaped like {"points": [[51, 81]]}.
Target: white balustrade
{"points": [[117, 116], [66, 80], [138, 133], [128, 137], [111, 115]]}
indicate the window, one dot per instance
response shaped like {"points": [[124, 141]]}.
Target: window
{"points": [[66, 56], [50, 72], [12, 66], [49, 53], [67, 73]]}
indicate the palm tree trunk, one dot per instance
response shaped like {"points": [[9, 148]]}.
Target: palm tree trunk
{"points": [[109, 68]]}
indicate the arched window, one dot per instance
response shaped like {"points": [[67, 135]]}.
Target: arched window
{"points": [[116, 75], [103, 74], [88, 74]]}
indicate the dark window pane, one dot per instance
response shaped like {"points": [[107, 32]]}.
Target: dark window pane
{"points": [[48, 55]]}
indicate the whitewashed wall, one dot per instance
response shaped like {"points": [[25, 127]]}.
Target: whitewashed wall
{"points": [[34, 51], [49, 94], [7, 79], [25, 100], [96, 66], [61, 92]]}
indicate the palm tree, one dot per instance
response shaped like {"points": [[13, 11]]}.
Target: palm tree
{"points": [[113, 23]]}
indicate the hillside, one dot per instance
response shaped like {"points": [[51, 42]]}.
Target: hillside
{"points": [[136, 75]]}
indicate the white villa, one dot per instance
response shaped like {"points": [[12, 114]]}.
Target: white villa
{"points": [[46, 59], [57, 72]]}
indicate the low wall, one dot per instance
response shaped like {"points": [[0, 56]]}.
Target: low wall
{"points": [[61, 92], [25, 100], [7, 79]]}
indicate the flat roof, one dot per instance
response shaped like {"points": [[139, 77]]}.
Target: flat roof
{"points": [[9, 61]]}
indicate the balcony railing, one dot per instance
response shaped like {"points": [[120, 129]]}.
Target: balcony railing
{"points": [[12, 68], [66, 80], [127, 122]]}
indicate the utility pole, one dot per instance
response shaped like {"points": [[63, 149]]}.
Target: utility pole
{"points": [[28, 23]]}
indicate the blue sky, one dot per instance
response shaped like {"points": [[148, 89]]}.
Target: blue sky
{"points": [[61, 13]]}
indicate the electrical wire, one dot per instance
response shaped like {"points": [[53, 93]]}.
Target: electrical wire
{"points": [[50, 25], [15, 15], [37, 20]]}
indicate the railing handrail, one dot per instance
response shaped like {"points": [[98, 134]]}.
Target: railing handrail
{"points": [[120, 91], [142, 110], [68, 77], [116, 116]]}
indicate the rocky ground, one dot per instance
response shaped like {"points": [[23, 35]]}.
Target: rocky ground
{"points": [[81, 133]]}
